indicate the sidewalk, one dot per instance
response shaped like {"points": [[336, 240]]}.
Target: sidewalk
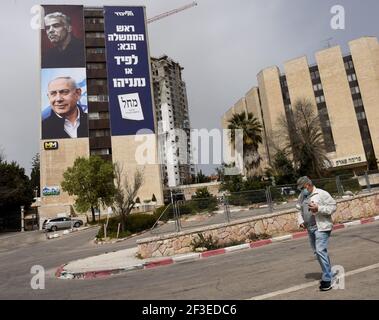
{"points": [[125, 260]]}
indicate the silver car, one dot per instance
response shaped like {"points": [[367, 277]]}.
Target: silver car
{"points": [[61, 223]]}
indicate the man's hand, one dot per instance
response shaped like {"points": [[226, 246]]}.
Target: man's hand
{"points": [[313, 207], [302, 226]]}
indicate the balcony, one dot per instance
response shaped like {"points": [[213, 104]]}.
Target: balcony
{"points": [[94, 27], [94, 13], [95, 42], [98, 106], [96, 73], [100, 142], [95, 90], [95, 57], [99, 124]]}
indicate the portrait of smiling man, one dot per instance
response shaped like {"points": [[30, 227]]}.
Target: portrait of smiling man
{"points": [[67, 119], [65, 49]]}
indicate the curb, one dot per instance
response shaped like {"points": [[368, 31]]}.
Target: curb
{"points": [[66, 232], [61, 273]]}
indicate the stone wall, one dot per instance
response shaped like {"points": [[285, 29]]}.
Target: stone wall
{"points": [[275, 224]]}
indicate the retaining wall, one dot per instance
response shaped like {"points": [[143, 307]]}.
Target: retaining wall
{"points": [[275, 224]]}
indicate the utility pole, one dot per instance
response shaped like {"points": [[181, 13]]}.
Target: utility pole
{"points": [[22, 219]]}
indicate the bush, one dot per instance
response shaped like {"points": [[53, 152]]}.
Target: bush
{"points": [[139, 222], [169, 214], [328, 185], [351, 185], [134, 223], [247, 198], [204, 242], [203, 201], [186, 208], [254, 237]]}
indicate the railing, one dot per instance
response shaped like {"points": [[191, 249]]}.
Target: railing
{"points": [[186, 214]]}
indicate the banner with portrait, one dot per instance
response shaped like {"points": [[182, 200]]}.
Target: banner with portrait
{"points": [[64, 106], [128, 67]]}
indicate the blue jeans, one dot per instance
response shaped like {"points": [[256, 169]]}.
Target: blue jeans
{"points": [[319, 243]]}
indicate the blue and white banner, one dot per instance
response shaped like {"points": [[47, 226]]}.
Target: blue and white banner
{"points": [[128, 67]]}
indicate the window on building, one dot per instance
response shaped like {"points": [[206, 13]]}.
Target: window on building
{"points": [[355, 90], [100, 152], [352, 77], [95, 50], [349, 65], [94, 20], [100, 133], [93, 116], [96, 65], [361, 116], [358, 103], [94, 35], [320, 99], [98, 98], [315, 75], [97, 82], [317, 87]]}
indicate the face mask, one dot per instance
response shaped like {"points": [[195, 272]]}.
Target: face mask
{"points": [[306, 193]]}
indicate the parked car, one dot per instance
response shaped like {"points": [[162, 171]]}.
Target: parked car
{"points": [[288, 191], [61, 223]]}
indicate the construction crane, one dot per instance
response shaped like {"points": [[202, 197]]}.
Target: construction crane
{"points": [[169, 13]]}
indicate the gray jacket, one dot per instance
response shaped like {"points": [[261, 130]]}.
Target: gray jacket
{"points": [[326, 207]]}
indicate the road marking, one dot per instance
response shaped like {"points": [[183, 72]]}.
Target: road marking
{"points": [[310, 284]]}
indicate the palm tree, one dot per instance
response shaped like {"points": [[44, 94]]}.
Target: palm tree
{"points": [[252, 137], [305, 139]]}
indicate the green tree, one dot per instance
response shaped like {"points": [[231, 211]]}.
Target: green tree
{"points": [[201, 193], [282, 169], [304, 138], [203, 199], [126, 192], [35, 174], [15, 189], [91, 182], [201, 177], [252, 137]]}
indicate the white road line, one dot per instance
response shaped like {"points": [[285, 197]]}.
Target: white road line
{"points": [[310, 284]]}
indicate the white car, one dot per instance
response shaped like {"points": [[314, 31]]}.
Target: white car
{"points": [[61, 223]]}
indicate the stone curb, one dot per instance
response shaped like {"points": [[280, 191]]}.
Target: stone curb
{"points": [[66, 232], [61, 273]]}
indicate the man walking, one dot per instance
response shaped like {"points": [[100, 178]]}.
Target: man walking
{"points": [[316, 208]]}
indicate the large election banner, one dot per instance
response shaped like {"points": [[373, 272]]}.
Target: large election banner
{"points": [[128, 67], [63, 73]]}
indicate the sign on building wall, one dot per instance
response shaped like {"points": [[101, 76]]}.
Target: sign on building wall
{"points": [[356, 159], [51, 145], [51, 191], [63, 74], [128, 67]]}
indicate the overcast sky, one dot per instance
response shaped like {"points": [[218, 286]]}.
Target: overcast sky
{"points": [[222, 45]]}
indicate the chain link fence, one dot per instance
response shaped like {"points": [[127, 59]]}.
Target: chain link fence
{"points": [[187, 214]]}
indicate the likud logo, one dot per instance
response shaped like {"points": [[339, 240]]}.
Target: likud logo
{"points": [[130, 106], [51, 191]]}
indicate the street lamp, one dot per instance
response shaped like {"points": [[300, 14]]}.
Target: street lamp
{"points": [[22, 219]]}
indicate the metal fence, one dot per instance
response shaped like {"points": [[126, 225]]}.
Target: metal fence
{"points": [[187, 214]]}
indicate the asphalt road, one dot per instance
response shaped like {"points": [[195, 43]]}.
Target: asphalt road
{"points": [[240, 275]]}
